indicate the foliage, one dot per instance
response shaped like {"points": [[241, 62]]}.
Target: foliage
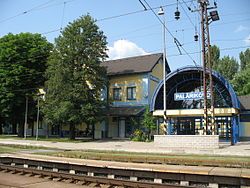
{"points": [[148, 122], [228, 67], [139, 136], [241, 82], [23, 60], [75, 77], [215, 56], [244, 59]]}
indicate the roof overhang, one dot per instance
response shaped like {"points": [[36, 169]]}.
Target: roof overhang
{"points": [[196, 112], [126, 111]]}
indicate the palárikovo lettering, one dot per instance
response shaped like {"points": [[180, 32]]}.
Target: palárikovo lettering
{"points": [[189, 96]]}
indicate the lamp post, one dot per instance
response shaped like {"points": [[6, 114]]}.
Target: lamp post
{"points": [[37, 119], [40, 95], [26, 117], [161, 12]]}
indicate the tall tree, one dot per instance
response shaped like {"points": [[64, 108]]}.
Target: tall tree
{"points": [[215, 56], [228, 67], [241, 81], [75, 77], [244, 59], [23, 60]]}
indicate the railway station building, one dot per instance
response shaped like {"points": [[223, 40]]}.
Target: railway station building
{"points": [[136, 82], [184, 98]]}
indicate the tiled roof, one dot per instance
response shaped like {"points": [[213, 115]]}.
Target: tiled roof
{"points": [[138, 64], [244, 102]]}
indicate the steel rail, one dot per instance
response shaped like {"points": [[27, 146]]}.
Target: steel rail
{"points": [[84, 178]]}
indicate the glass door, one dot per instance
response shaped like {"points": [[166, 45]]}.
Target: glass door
{"points": [[186, 126]]}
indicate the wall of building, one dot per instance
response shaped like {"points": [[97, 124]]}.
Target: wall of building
{"points": [[245, 125], [155, 76], [244, 130], [140, 81]]}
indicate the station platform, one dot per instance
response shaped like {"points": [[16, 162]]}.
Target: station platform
{"points": [[225, 149], [140, 167], [176, 169]]}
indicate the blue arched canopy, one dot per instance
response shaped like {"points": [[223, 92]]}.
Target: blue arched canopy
{"points": [[189, 79]]}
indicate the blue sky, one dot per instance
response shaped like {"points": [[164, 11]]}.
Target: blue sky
{"points": [[138, 32]]}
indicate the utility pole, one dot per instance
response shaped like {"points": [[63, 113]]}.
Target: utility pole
{"points": [[206, 58], [161, 12], [26, 117], [203, 6], [37, 118]]}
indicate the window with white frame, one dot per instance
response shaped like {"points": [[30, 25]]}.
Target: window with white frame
{"points": [[117, 94], [131, 93]]}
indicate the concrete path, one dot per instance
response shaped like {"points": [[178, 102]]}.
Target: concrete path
{"points": [[240, 149]]}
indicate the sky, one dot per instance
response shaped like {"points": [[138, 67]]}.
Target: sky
{"points": [[131, 30]]}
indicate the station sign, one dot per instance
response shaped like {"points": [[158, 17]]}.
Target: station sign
{"points": [[190, 96]]}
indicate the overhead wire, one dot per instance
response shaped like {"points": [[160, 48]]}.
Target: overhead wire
{"points": [[222, 49], [41, 6], [25, 12], [135, 12], [170, 33], [190, 20], [184, 29], [116, 16]]}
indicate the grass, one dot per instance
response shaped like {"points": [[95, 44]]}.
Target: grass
{"points": [[43, 138], [193, 160], [8, 149], [16, 148]]}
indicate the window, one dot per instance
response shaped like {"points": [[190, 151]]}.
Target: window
{"points": [[117, 94], [131, 93]]}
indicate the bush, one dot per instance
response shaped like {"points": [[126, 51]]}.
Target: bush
{"points": [[138, 136]]}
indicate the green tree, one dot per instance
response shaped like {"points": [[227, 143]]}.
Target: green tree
{"points": [[23, 60], [241, 81], [148, 122], [215, 56], [244, 59], [228, 67], [75, 77]]}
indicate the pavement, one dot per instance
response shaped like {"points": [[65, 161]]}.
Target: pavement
{"points": [[225, 149]]}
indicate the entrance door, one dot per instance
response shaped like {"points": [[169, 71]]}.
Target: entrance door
{"points": [[122, 128], [185, 126]]}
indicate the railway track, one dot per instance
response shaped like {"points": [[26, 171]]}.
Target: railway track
{"points": [[115, 174], [82, 179]]}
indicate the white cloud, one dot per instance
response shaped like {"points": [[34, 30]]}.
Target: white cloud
{"points": [[124, 48], [247, 40], [240, 28]]}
